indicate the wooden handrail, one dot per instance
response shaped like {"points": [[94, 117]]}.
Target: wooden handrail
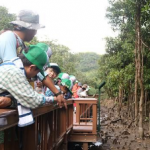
{"points": [[52, 126], [83, 108]]}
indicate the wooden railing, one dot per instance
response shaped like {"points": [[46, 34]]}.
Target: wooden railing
{"points": [[85, 121], [50, 130], [54, 127]]}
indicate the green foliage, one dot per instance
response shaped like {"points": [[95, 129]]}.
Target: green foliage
{"points": [[117, 67], [5, 19], [83, 65], [92, 91], [87, 61]]}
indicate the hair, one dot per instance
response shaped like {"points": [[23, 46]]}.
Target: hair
{"points": [[55, 69]]}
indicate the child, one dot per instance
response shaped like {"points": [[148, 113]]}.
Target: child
{"points": [[65, 88], [53, 70]]}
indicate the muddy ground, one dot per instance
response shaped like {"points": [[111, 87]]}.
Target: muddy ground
{"points": [[120, 133]]}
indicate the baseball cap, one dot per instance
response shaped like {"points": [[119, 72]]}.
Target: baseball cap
{"points": [[48, 51], [72, 78], [28, 19], [36, 56], [66, 83], [46, 48], [63, 76]]}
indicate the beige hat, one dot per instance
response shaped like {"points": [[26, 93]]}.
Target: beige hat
{"points": [[28, 19]]}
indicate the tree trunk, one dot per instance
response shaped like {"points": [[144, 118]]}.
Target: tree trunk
{"points": [[120, 99], [139, 67], [136, 82], [146, 95]]}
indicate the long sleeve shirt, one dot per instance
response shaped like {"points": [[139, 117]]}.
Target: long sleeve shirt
{"points": [[14, 81]]}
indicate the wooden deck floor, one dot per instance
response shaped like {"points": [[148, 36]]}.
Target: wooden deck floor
{"points": [[82, 126]]}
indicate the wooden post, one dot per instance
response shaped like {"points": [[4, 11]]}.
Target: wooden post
{"points": [[30, 137], [94, 119], [2, 146], [85, 146], [77, 113]]}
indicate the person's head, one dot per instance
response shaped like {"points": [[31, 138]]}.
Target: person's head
{"points": [[79, 84], [84, 86], [61, 76], [33, 60], [53, 70], [76, 83], [73, 79], [27, 24], [65, 86]]}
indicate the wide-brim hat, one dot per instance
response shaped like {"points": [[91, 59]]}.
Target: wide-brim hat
{"points": [[28, 19]]}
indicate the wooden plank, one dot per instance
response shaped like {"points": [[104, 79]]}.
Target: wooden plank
{"points": [[10, 120], [84, 124], [77, 113], [82, 138], [87, 102], [10, 139], [94, 119], [85, 99], [2, 146], [82, 128], [30, 137], [85, 146], [86, 118]]}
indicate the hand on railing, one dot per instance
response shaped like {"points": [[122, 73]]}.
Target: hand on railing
{"points": [[61, 101]]}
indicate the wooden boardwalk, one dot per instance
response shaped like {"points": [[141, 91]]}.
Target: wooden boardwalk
{"points": [[85, 122], [53, 127]]}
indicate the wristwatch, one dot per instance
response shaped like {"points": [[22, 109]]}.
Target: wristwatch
{"points": [[59, 93]]}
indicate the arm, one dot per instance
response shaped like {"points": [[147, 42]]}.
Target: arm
{"points": [[17, 85], [7, 46], [4, 102], [49, 83], [15, 82], [79, 91]]}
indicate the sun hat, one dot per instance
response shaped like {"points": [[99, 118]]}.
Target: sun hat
{"points": [[66, 83], [36, 56], [63, 76], [55, 67], [28, 19]]}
